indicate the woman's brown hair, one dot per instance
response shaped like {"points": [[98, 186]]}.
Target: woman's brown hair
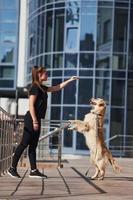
{"points": [[35, 71], [35, 79]]}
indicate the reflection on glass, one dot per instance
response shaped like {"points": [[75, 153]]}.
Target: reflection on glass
{"points": [[56, 97], [71, 39], [58, 61], [6, 71], [7, 37], [104, 27], [120, 34], [102, 73], [102, 60], [6, 54], [70, 94], [55, 112], [118, 87], [70, 60], [130, 62], [80, 142], [102, 89], [70, 72], [59, 30], [6, 84], [8, 4], [80, 139], [55, 115], [86, 60], [118, 74], [85, 91], [72, 16], [88, 32], [8, 15], [48, 61], [131, 32], [68, 114], [8, 27], [117, 125], [119, 61], [48, 31]]}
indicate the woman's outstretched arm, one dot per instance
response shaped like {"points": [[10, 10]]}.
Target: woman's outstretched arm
{"points": [[62, 85]]}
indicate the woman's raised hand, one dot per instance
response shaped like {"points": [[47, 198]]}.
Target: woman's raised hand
{"points": [[74, 78]]}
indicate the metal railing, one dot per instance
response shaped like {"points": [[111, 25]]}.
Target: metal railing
{"points": [[47, 149], [121, 145], [7, 124]]}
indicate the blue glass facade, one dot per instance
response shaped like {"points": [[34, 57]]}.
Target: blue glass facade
{"points": [[9, 22], [92, 40]]}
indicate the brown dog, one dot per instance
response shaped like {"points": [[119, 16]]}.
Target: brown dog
{"points": [[92, 128]]}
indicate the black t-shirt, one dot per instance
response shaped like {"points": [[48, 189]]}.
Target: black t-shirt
{"points": [[41, 101]]}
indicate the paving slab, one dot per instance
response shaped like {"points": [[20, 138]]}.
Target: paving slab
{"points": [[70, 183]]}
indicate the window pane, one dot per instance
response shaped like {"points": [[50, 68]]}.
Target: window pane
{"points": [[7, 37], [120, 34], [117, 125], [70, 60], [119, 61], [58, 61], [80, 139], [88, 32], [6, 54], [48, 31], [70, 94], [130, 62], [131, 32], [8, 3], [70, 72], [59, 30], [104, 27], [6, 83], [56, 97], [48, 61], [55, 113], [72, 16], [102, 60], [86, 60], [71, 39], [118, 87], [102, 89], [8, 27], [85, 91], [8, 15], [68, 114], [6, 71]]}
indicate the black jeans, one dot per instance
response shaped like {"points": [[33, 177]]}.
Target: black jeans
{"points": [[29, 139]]}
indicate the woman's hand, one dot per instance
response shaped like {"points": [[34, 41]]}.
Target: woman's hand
{"points": [[35, 126], [73, 78]]}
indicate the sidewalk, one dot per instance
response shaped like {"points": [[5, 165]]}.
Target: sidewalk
{"points": [[70, 183]]}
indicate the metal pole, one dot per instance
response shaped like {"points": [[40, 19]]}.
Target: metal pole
{"points": [[16, 98], [60, 149]]}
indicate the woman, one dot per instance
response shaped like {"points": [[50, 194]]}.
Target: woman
{"points": [[32, 120]]}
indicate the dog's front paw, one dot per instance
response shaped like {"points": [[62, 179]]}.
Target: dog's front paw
{"points": [[72, 125]]}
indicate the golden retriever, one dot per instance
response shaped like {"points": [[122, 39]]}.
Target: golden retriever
{"points": [[92, 128]]}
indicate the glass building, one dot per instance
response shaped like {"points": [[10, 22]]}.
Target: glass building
{"points": [[92, 39], [9, 26]]}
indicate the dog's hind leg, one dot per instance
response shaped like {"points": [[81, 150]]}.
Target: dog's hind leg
{"points": [[96, 174], [102, 173]]}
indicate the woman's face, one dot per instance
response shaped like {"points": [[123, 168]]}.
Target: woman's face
{"points": [[43, 76]]}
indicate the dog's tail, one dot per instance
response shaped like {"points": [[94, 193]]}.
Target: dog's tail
{"points": [[114, 164]]}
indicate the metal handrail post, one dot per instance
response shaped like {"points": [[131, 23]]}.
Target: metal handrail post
{"points": [[60, 149]]}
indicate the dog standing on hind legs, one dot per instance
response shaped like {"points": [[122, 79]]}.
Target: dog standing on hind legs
{"points": [[92, 128]]}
